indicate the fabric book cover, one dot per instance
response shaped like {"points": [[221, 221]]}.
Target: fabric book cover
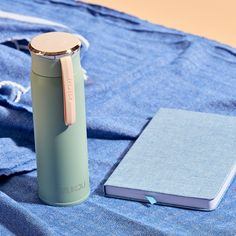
{"points": [[182, 158]]}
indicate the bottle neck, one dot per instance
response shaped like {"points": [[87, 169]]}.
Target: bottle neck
{"points": [[52, 67]]}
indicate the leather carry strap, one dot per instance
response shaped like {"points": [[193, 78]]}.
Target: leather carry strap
{"points": [[68, 90]]}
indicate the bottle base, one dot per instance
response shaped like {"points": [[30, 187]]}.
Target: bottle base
{"points": [[62, 204]]}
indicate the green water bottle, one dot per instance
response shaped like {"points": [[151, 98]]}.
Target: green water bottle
{"points": [[57, 85]]}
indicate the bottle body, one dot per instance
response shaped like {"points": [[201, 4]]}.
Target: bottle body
{"points": [[61, 151]]}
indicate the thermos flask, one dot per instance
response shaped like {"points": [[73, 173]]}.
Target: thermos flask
{"points": [[57, 88]]}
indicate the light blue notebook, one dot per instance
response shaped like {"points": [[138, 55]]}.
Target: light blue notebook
{"points": [[182, 158]]}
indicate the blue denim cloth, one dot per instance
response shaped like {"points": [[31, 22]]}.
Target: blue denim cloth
{"points": [[134, 68]]}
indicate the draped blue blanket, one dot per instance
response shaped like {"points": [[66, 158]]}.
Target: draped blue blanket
{"points": [[134, 68]]}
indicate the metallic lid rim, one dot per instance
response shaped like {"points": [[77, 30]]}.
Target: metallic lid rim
{"points": [[60, 53]]}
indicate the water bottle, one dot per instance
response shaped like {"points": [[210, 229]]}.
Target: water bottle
{"points": [[57, 88]]}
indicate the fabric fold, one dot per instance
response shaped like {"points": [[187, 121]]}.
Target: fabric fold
{"points": [[134, 68], [21, 221]]}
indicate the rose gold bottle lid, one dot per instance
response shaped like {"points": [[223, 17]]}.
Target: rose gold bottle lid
{"points": [[54, 44]]}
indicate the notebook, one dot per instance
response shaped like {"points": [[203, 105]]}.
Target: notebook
{"points": [[182, 158]]}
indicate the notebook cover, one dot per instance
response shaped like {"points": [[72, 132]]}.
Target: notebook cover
{"points": [[181, 153]]}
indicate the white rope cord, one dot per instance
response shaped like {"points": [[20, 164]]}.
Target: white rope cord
{"points": [[83, 40], [29, 19], [20, 89], [36, 20], [16, 44]]}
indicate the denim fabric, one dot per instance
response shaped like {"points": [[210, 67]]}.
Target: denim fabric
{"points": [[134, 68]]}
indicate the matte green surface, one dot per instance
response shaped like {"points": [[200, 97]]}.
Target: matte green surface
{"points": [[62, 158]]}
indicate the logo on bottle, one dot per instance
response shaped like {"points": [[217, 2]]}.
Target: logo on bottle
{"points": [[73, 188], [69, 88]]}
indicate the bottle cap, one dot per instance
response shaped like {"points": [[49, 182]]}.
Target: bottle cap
{"points": [[54, 44]]}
